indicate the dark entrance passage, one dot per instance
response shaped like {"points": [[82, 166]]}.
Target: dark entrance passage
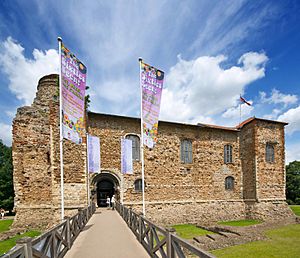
{"points": [[105, 184], [105, 188]]}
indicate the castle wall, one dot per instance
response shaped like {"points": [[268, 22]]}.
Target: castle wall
{"points": [[270, 175], [175, 192], [248, 161], [36, 162]]}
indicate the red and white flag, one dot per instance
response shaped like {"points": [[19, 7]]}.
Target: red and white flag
{"points": [[244, 101]]}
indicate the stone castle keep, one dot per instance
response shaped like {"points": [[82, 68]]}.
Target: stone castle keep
{"points": [[195, 173]]}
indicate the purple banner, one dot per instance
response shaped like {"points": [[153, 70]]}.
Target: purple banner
{"points": [[152, 85], [94, 154], [73, 79], [126, 156]]}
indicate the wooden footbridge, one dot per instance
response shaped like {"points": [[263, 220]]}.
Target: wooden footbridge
{"points": [[106, 233]]}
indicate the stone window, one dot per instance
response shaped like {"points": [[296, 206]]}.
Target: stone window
{"points": [[135, 146], [229, 183], [138, 185], [186, 151], [270, 155], [227, 154]]}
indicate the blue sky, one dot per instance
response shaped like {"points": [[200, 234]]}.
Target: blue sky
{"points": [[211, 52]]}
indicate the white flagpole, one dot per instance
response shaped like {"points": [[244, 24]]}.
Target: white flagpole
{"points": [[61, 135], [88, 169], [142, 144], [240, 109]]}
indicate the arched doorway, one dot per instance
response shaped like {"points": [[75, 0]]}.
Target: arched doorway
{"points": [[106, 184]]}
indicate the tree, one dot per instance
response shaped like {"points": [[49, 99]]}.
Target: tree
{"points": [[6, 178], [293, 182]]}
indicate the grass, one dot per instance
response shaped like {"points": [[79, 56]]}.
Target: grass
{"points": [[240, 223], [283, 242], [189, 231], [295, 209], [5, 224], [6, 245]]}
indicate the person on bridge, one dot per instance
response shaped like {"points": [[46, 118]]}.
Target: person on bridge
{"points": [[108, 201], [113, 202]]}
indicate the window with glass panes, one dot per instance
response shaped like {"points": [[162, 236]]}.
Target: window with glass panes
{"points": [[227, 153], [270, 155], [135, 146], [138, 185], [229, 183], [186, 151]]}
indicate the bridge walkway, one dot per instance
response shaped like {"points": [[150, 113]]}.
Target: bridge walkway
{"points": [[106, 235]]}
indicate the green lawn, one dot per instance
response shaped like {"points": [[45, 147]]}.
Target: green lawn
{"points": [[295, 209], [283, 242], [240, 223], [5, 224], [189, 231], [6, 245]]}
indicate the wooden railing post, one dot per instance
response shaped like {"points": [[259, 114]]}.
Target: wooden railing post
{"points": [[170, 249], [130, 218], [68, 236], [140, 228], [80, 218], [26, 242]]}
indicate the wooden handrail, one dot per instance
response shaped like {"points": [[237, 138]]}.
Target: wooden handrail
{"points": [[158, 241], [55, 242]]}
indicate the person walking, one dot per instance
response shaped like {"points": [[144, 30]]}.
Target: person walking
{"points": [[108, 201], [113, 202], [2, 211]]}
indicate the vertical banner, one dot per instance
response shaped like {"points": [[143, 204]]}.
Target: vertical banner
{"points": [[73, 80], [126, 156], [151, 80], [94, 154]]}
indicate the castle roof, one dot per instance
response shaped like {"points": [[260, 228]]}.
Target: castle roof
{"points": [[236, 128]]}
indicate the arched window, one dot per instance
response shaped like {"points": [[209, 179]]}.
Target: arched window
{"points": [[229, 183], [270, 154], [138, 185], [186, 151], [227, 153], [135, 146]]}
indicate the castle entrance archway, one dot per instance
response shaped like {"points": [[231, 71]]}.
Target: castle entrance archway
{"points": [[105, 184]]}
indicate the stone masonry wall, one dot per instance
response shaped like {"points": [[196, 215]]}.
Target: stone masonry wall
{"points": [[168, 181], [248, 156], [270, 176], [175, 192], [174, 189], [36, 161]]}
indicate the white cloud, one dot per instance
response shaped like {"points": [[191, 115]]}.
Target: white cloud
{"points": [[202, 88], [11, 114], [273, 115], [292, 153], [234, 112], [24, 73], [278, 98], [6, 133], [292, 116]]}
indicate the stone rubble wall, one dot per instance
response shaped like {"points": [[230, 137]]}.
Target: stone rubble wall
{"points": [[175, 192], [270, 176], [36, 162]]}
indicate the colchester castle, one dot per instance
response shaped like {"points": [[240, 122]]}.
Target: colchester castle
{"points": [[195, 173]]}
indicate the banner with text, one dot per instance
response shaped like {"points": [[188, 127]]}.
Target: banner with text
{"points": [[126, 156], [94, 154], [73, 80], [152, 85]]}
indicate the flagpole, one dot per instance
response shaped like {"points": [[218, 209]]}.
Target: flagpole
{"points": [[240, 110], [88, 169], [142, 145], [61, 135]]}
